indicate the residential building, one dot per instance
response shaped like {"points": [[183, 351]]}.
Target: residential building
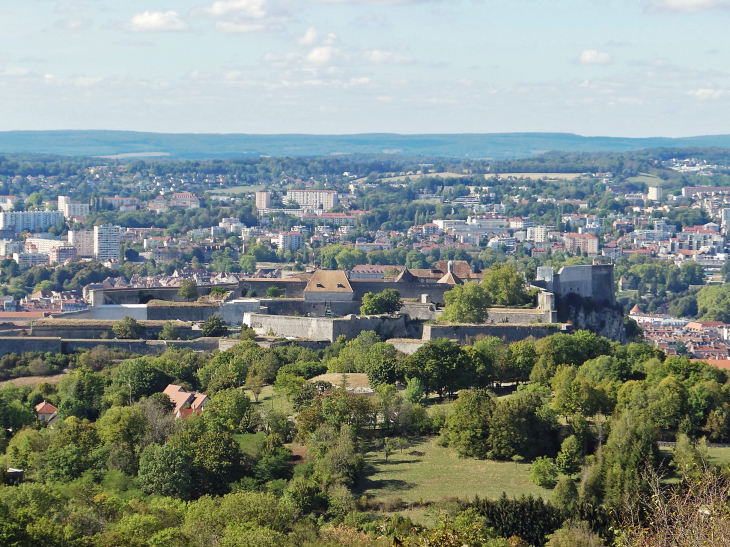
{"points": [[314, 199], [71, 208], [7, 202], [655, 193], [8, 247], [45, 411], [290, 241], [83, 240], [263, 200], [182, 399], [538, 234], [106, 242], [184, 200], [30, 259], [29, 220], [44, 245], [62, 254], [585, 243]]}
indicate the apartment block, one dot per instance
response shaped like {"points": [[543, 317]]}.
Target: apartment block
{"points": [[62, 254], [314, 199], [83, 240], [263, 200], [585, 243], [290, 241], [43, 245], [29, 220], [106, 242]]}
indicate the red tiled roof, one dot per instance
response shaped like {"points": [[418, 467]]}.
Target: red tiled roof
{"points": [[45, 408]]}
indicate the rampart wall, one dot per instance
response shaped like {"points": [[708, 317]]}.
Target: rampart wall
{"points": [[507, 333]]}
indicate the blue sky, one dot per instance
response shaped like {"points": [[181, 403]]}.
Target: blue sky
{"points": [[594, 67]]}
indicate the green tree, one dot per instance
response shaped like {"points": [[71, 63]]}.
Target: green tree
{"points": [[170, 331], [522, 426], [229, 410], [385, 302], [273, 292], [214, 326], [570, 458], [381, 365], [415, 260], [505, 286], [188, 289], [468, 423], [466, 303], [575, 534], [127, 328], [440, 366], [165, 471], [247, 263], [543, 472], [350, 257], [565, 496]]}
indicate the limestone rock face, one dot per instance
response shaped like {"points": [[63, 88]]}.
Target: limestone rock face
{"points": [[604, 318]]}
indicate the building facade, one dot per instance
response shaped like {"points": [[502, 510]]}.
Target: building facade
{"points": [[29, 220], [314, 199], [62, 254], [290, 241], [83, 240], [263, 200], [106, 242]]}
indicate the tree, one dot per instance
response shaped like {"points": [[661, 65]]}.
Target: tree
{"points": [[575, 534], [127, 328], [229, 411], [255, 383], [131, 255], [273, 292], [170, 331], [439, 365], [415, 260], [565, 496], [188, 289], [388, 301], [468, 423], [466, 303], [521, 425], [165, 471], [139, 378], [247, 263], [505, 286], [543, 472], [214, 326], [570, 458], [381, 365], [350, 257]]}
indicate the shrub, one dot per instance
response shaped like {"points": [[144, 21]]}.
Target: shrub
{"points": [[127, 329]]}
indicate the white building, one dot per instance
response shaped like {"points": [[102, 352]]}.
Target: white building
{"points": [[7, 202], [8, 247], [106, 242], [655, 193], [29, 220], [538, 234], [30, 259], [290, 241], [314, 199], [43, 245], [263, 200], [83, 240]]}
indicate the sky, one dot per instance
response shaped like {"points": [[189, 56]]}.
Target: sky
{"points": [[630, 68]]}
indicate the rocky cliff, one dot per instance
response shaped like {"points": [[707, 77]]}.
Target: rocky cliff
{"points": [[604, 318]]}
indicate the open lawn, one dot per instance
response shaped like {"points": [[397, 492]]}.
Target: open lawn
{"points": [[34, 380], [426, 472], [268, 398], [646, 178], [535, 176], [239, 189]]}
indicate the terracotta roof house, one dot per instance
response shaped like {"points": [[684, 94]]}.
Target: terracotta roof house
{"points": [[45, 411], [183, 398], [329, 285], [460, 269]]}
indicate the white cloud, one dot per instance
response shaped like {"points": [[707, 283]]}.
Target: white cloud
{"points": [[310, 37], [228, 26], [15, 72], [594, 57], [687, 6], [157, 21], [707, 93], [74, 23], [376, 2], [254, 9], [321, 55], [383, 57]]}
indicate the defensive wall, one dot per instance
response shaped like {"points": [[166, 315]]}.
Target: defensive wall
{"points": [[23, 344], [505, 332], [328, 328], [98, 297], [589, 281], [86, 329]]}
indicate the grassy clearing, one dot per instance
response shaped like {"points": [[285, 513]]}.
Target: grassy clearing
{"points": [[268, 399], [535, 176], [33, 381], [239, 190], [646, 178], [425, 472], [720, 456]]}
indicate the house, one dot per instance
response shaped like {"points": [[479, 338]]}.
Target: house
{"points": [[329, 285], [45, 411], [184, 399]]}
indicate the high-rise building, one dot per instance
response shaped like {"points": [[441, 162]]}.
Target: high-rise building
{"points": [[44, 245], [290, 241], [263, 200], [106, 242], [83, 240], [314, 199], [29, 220], [655, 193], [538, 234], [71, 208]]}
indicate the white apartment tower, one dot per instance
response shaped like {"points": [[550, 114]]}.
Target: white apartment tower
{"points": [[314, 199], [29, 220], [655, 193], [263, 200], [106, 242], [83, 240]]}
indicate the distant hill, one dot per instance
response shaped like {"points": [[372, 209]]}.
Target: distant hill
{"points": [[475, 146]]}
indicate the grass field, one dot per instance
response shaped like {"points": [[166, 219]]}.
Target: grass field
{"points": [[34, 380], [426, 472], [239, 190], [646, 178]]}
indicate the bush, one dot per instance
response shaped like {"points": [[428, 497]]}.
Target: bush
{"points": [[127, 329], [170, 331], [214, 326], [543, 472]]}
